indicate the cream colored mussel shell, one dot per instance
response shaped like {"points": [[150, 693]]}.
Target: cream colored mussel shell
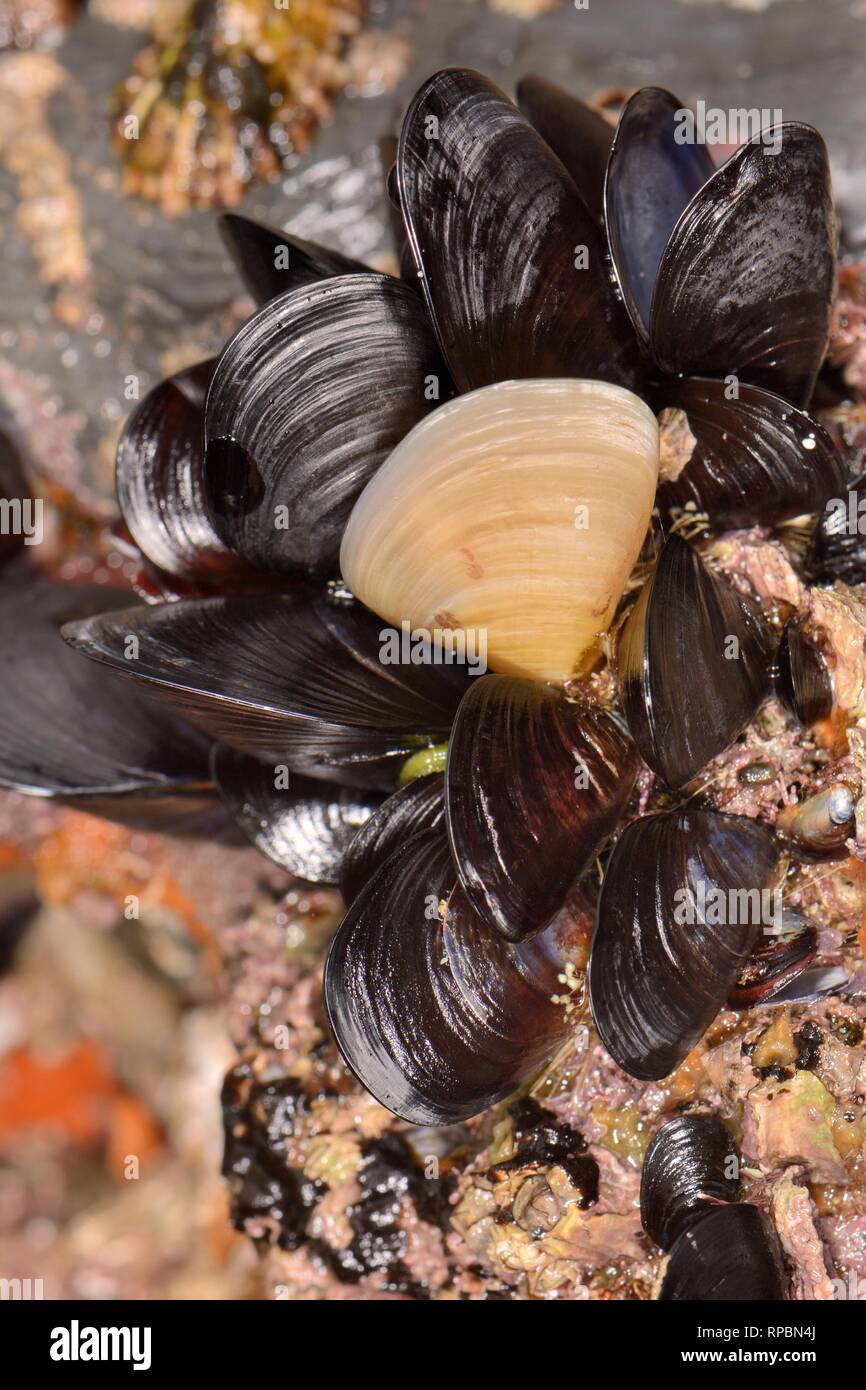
{"points": [[515, 512]]}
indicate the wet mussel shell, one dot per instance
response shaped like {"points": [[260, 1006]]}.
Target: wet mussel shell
{"points": [[436, 1015], [662, 963], [838, 548], [495, 224], [72, 731], [272, 261], [747, 279], [304, 824], [291, 679], [307, 400], [731, 1253], [159, 479], [578, 135], [803, 679], [418, 806], [690, 1167], [693, 662], [650, 180], [535, 783], [748, 459]]}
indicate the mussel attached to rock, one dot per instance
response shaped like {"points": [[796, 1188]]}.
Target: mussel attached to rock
{"points": [[685, 898], [693, 663], [732, 1253], [437, 1015], [535, 784]]}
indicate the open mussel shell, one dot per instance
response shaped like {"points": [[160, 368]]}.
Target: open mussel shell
{"points": [[578, 134], [492, 519], [775, 964], [749, 459], [73, 731], [651, 178], [511, 261], [693, 663], [303, 824], [287, 678], [731, 1253], [803, 679], [535, 783], [839, 544], [307, 400], [682, 908], [15, 493], [691, 1166], [159, 481], [271, 261], [418, 806], [747, 279], [436, 1015]]}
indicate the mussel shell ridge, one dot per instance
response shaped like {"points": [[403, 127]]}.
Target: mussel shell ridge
{"points": [[690, 1167]]}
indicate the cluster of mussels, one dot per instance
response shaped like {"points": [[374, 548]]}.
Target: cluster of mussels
{"points": [[474, 447]]}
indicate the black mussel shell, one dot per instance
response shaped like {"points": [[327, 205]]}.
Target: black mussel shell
{"points": [[803, 679], [731, 1253], [440, 1018], [73, 731], [303, 824], [693, 663], [773, 966], [511, 261], [15, 494], [752, 460], [271, 261], [680, 913], [418, 806], [651, 179], [839, 543], [307, 400], [691, 1167], [747, 280], [284, 678], [535, 783], [578, 135], [159, 481]]}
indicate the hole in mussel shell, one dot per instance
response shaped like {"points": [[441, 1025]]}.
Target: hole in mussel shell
{"points": [[233, 484]]}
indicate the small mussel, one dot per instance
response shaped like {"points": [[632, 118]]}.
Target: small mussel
{"points": [[693, 663], [685, 897], [690, 1168], [803, 679]]}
